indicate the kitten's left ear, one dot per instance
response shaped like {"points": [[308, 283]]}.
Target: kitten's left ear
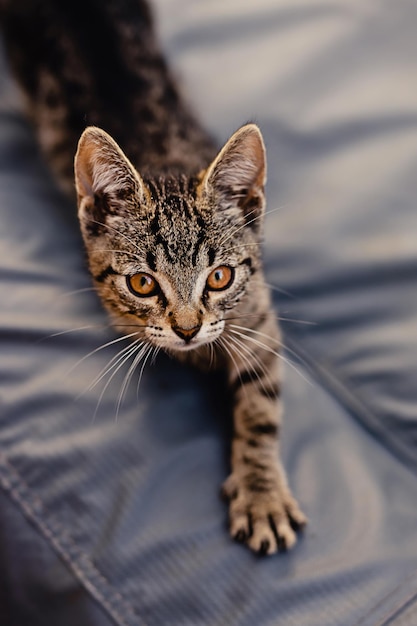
{"points": [[237, 176], [105, 180]]}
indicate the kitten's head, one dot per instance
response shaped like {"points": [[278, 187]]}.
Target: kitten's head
{"points": [[173, 255]]}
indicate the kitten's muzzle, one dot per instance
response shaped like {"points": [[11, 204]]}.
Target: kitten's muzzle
{"points": [[186, 333]]}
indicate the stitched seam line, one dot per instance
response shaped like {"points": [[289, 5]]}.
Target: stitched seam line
{"points": [[339, 389], [396, 608], [80, 563]]}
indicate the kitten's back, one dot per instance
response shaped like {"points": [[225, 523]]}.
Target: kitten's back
{"points": [[97, 62]]}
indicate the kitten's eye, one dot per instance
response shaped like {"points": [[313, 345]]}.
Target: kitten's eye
{"points": [[220, 278], [142, 285]]}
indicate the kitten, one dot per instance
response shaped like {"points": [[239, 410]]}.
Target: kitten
{"points": [[171, 227]]}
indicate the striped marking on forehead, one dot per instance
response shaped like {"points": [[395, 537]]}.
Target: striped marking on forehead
{"points": [[174, 196], [178, 227]]}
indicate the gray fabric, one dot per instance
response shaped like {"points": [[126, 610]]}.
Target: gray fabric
{"points": [[118, 521]]}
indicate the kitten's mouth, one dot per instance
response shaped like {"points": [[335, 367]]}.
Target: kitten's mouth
{"points": [[186, 341], [181, 346], [186, 346]]}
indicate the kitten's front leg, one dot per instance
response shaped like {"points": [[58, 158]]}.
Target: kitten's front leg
{"points": [[263, 512]]}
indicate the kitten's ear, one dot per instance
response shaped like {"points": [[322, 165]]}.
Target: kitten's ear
{"points": [[237, 176], [105, 179]]}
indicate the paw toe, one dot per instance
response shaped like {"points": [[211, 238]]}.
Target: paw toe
{"points": [[286, 537], [240, 526], [263, 540], [296, 517]]}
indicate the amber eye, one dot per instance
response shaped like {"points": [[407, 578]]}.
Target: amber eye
{"points": [[142, 285], [220, 278]]}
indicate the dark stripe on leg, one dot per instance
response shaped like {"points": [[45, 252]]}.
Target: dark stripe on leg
{"points": [[264, 428], [246, 377]]}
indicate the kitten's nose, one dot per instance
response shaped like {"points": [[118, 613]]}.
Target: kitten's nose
{"points": [[186, 333]]}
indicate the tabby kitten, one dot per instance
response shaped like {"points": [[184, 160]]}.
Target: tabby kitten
{"points": [[171, 227]]}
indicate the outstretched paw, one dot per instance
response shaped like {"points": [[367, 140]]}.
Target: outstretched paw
{"points": [[265, 519]]}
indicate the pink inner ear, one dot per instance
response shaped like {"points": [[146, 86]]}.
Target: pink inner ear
{"points": [[238, 174], [241, 164], [102, 168]]}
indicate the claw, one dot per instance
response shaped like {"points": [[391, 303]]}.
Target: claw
{"points": [[297, 524], [263, 550], [281, 544], [240, 536]]}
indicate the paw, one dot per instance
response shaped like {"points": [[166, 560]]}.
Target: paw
{"points": [[265, 520]]}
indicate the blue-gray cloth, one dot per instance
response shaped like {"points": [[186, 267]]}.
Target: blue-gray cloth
{"points": [[111, 515]]}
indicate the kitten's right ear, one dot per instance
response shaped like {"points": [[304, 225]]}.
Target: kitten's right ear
{"points": [[236, 178], [105, 179]]}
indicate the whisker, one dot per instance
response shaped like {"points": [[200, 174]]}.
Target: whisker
{"points": [[155, 354], [76, 291], [212, 353], [72, 330], [276, 316], [249, 361], [117, 325], [150, 351], [129, 349], [256, 332], [128, 377], [273, 339], [243, 245], [89, 327], [116, 231], [257, 217], [106, 345], [275, 288], [123, 361], [296, 321], [117, 250], [281, 290], [229, 352], [272, 351]]}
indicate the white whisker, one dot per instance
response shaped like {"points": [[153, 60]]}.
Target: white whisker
{"points": [[277, 289], [151, 349], [142, 351], [249, 361], [123, 360], [126, 351], [77, 291], [273, 339], [239, 228], [155, 354], [117, 250], [229, 352], [72, 330], [272, 351], [116, 231], [243, 245], [106, 345], [276, 316], [209, 347]]}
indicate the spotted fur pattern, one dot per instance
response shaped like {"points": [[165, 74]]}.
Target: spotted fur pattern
{"points": [[168, 213]]}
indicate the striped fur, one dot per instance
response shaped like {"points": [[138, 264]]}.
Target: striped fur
{"points": [[168, 213]]}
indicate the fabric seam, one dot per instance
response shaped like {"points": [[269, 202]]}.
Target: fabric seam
{"points": [[64, 545], [340, 391], [354, 404]]}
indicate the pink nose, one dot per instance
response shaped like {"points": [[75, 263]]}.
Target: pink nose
{"points": [[186, 333]]}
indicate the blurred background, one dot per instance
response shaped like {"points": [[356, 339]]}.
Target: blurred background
{"points": [[120, 522]]}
